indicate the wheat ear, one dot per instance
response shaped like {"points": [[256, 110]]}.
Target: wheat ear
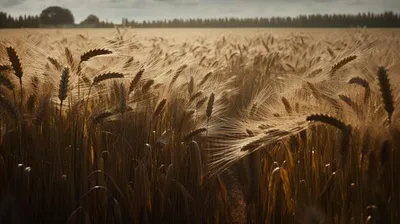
{"points": [[94, 53], [177, 74], [16, 65], [386, 91], [210, 105], [191, 86], [342, 63], [106, 76], [159, 108], [350, 103], [101, 116], [200, 103], [15, 62], [136, 80], [364, 83], [324, 118], [288, 107], [147, 85], [205, 78], [55, 63], [194, 133], [196, 95], [63, 89], [70, 58]]}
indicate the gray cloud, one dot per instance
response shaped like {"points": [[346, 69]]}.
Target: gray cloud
{"points": [[114, 10], [10, 3]]}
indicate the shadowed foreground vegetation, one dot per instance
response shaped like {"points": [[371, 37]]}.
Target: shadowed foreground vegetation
{"points": [[232, 128]]}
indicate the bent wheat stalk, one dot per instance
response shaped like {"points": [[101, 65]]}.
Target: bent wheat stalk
{"points": [[94, 53], [364, 83], [346, 130]]}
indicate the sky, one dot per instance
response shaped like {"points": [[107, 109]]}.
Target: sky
{"points": [[115, 10]]}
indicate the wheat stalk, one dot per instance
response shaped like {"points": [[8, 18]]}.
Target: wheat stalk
{"points": [[16, 65], [331, 53], [346, 131], [324, 118], [195, 161], [205, 78], [195, 96], [63, 89], [35, 82], [202, 59], [288, 107], [364, 83], [314, 91], [6, 82], [15, 62], [8, 107], [135, 80], [106, 76], [101, 116], [385, 152], [200, 103], [314, 73], [249, 133], [55, 63], [342, 63], [386, 91], [177, 74], [210, 105], [70, 58], [147, 85], [350, 103], [4, 68], [194, 133], [30, 103], [128, 63], [191, 86], [159, 107], [41, 109], [122, 98], [94, 53]]}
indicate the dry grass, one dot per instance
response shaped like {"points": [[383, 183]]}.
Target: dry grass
{"points": [[241, 126]]}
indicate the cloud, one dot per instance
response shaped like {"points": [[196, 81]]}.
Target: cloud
{"points": [[181, 2], [10, 3]]}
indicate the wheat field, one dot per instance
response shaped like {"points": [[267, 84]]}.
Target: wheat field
{"points": [[200, 126]]}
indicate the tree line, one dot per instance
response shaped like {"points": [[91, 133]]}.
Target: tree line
{"points": [[385, 20], [55, 16]]}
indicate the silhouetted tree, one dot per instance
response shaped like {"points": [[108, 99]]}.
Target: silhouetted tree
{"points": [[56, 15], [91, 19]]}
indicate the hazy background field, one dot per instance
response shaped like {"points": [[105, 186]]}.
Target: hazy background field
{"points": [[189, 33]]}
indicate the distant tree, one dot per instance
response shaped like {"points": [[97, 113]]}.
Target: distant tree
{"points": [[91, 19], [56, 15]]}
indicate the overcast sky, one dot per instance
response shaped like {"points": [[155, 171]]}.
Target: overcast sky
{"points": [[114, 10]]}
